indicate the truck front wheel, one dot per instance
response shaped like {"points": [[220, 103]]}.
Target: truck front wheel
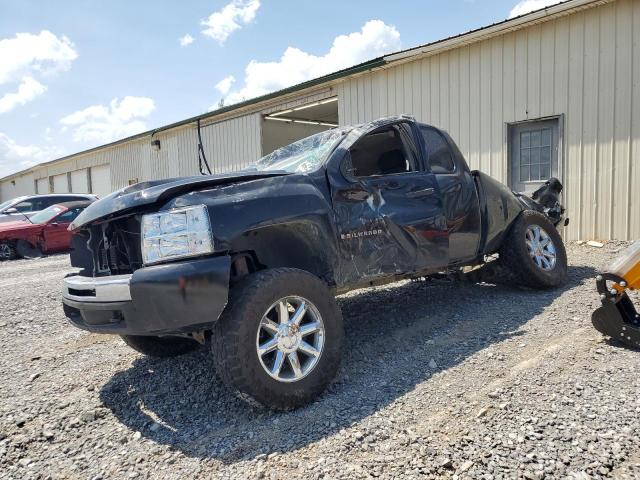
{"points": [[279, 340], [160, 347], [534, 252]]}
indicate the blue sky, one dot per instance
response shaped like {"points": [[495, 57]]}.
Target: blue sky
{"points": [[77, 74]]}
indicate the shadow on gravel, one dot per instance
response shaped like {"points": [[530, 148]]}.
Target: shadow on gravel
{"points": [[392, 333]]}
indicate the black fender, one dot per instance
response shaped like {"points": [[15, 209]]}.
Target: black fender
{"points": [[499, 208], [285, 221]]}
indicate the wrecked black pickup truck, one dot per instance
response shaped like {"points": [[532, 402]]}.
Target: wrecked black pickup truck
{"points": [[250, 262]]}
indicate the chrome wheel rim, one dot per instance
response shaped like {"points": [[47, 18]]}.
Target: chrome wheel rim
{"points": [[5, 251], [541, 248], [290, 339]]}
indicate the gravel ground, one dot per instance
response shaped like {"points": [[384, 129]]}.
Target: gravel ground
{"points": [[438, 380]]}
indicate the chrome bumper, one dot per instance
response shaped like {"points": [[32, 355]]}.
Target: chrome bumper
{"points": [[97, 289]]}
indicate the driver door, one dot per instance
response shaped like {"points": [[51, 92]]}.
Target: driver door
{"points": [[388, 209], [56, 235]]}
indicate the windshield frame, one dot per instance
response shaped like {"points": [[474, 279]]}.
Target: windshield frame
{"points": [[338, 134], [33, 218]]}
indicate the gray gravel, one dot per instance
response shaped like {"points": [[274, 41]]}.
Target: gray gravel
{"points": [[438, 380]]}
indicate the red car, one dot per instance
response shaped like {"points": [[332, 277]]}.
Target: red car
{"points": [[43, 233]]}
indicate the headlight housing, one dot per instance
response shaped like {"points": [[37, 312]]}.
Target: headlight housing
{"points": [[179, 233]]}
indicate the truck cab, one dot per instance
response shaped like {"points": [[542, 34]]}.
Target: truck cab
{"points": [[405, 200]]}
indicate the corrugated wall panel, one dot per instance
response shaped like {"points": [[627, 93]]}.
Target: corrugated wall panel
{"points": [[573, 165], [23, 185], [232, 144], [633, 218], [582, 68], [620, 188], [229, 145]]}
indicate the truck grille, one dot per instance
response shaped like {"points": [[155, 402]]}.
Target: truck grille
{"points": [[116, 246]]}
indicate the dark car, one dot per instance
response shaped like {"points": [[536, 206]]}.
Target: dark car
{"points": [[43, 233], [20, 207], [252, 260]]}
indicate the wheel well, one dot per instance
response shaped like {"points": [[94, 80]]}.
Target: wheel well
{"points": [[247, 262], [244, 263]]}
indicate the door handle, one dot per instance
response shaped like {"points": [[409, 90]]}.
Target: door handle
{"points": [[423, 192]]}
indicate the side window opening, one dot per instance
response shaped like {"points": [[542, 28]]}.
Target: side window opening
{"points": [[382, 152], [47, 202], [69, 216], [439, 153]]}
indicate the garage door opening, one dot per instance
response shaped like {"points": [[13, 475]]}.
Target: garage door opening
{"points": [[286, 126]]}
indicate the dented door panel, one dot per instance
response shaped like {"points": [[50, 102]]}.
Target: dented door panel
{"points": [[389, 225], [462, 212]]}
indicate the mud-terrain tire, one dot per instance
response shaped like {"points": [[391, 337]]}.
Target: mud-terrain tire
{"points": [[528, 258], [160, 347], [7, 252], [240, 333]]}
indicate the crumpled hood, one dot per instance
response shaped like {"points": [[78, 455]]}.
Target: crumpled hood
{"points": [[147, 193]]}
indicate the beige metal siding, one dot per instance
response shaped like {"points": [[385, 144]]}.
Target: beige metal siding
{"points": [[80, 181], [42, 185], [584, 67], [22, 185], [61, 183], [101, 180], [229, 145]]}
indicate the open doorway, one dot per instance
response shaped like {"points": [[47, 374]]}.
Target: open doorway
{"points": [[286, 126]]}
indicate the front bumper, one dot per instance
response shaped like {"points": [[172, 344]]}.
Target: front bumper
{"points": [[173, 298]]}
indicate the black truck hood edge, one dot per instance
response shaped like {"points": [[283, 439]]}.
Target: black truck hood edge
{"points": [[147, 193]]}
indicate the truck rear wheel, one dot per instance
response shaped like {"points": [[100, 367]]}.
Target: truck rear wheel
{"points": [[279, 340], [534, 252], [160, 346]]}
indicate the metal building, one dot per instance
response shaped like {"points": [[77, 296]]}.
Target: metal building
{"points": [[554, 92]]}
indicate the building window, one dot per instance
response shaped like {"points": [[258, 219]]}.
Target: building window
{"points": [[533, 148]]}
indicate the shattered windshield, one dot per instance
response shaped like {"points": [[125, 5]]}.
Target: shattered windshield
{"points": [[303, 156]]}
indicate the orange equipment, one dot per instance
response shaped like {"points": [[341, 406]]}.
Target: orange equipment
{"points": [[617, 317]]}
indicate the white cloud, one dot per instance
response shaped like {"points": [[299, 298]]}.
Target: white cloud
{"points": [[526, 6], [186, 40], [15, 157], [224, 85], [230, 18], [26, 56], [26, 53], [100, 123], [375, 38], [27, 91]]}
